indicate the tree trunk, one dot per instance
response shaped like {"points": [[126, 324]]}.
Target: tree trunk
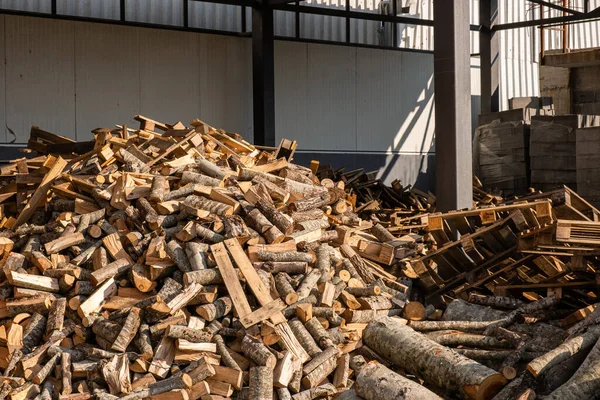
{"points": [[436, 364], [376, 382], [460, 310], [565, 351], [585, 383]]}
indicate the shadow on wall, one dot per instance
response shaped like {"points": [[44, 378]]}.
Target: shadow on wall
{"points": [[414, 119]]}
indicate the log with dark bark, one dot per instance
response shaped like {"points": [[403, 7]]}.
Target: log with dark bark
{"points": [[375, 382], [432, 362]]}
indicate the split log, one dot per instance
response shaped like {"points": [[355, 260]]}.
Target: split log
{"points": [[434, 363], [129, 330]]}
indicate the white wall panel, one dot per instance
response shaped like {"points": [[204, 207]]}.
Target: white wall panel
{"points": [[291, 93], [332, 103], [40, 75], [107, 77], [169, 84], [417, 100], [380, 109], [226, 90]]}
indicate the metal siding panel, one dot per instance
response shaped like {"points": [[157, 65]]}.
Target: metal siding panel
{"points": [[107, 81], [106, 9], [227, 90], [419, 125], [165, 12], [291, 92], [169, 86], [215, 16], [40, 85], [27, 5], [380, 111], [332, 97]]}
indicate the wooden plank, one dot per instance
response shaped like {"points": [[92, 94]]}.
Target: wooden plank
{"points": [[263, 313], [230, 278], [40, 194]]}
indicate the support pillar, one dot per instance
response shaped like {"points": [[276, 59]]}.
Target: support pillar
{"points": [[452, 74], [263, 71], [488, 50]]}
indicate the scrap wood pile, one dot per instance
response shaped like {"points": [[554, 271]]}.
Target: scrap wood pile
{"points": [[169, 262]]}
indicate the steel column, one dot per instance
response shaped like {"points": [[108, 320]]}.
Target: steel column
{"points": [[452, 75], [263, 75], [489, 56]]}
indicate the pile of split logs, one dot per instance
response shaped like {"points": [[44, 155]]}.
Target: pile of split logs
{"points": [[174, 262]]}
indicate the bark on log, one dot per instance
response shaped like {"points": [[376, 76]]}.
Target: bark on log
{"points": [[177, 254], [585, 382], [376, 382], [308, 283], [221, 307], [318, 333], [509, 303], [196, 254], [65, 367], [460, 310], [288, 256], [285, 289], [304, 337], [189, 334], [129, 330], [34, 332], [261, 383], [209, 235], [359, 264], [226, 357], [282, 222], [158, 189], [436, 364], [258, 352], [324, 262]]}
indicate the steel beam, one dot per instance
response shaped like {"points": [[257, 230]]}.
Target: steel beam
{"points": [[489, 57], [452, 80], [555, 6], [263, 76]]}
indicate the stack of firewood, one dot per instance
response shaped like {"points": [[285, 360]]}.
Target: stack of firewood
{"points": [[175, 262], [169, 262]]}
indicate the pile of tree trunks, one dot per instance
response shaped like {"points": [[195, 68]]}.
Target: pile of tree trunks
{"points": [[182, 262]]}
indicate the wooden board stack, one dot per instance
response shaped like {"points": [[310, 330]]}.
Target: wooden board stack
{"points": [[170, 262]]}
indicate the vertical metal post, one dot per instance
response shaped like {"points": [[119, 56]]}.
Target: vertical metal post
{"points": [[244, 28], [394, 24], [122, 10], [53, 7], [297, 20], [186, 14], [263, 71], [348, 22], [452, 75], [488, 51]]}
